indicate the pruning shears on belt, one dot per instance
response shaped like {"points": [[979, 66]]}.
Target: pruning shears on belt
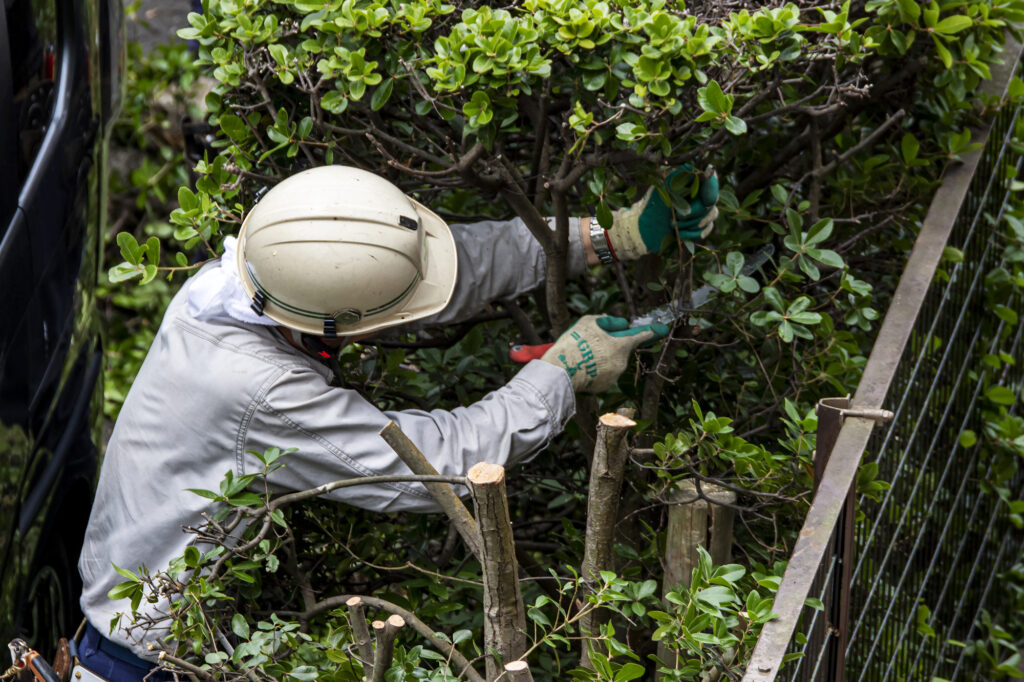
{"points": [[24, 657], [666, 314]]}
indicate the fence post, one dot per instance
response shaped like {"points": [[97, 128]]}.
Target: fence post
{"points": [[836, 600], [693, 522]]}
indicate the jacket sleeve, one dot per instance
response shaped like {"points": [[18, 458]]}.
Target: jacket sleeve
{"points": [[498, 260], [336, 432]]}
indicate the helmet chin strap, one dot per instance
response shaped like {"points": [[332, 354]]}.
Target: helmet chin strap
{"points": [[317, 348]]}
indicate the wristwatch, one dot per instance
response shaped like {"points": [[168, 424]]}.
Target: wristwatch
{"points": [[599, 242]]}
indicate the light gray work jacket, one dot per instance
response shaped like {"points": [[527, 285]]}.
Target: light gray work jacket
{"points": [[212, 389]]}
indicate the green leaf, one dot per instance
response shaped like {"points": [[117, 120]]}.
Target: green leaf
{"points": [[953, 24], [716, 595], [1016, 90], [968, 438], [1001, 395], [148, 273], [153, 250], [944, 55], [208, 494], [304, 673], [124, 573], [712, 99], [819, 232], [192, 556], [604, 216], [187, 199], [381, 94], [827, 257], [774, 298], [909, 146], [736, 125], [910, 10], [130, 249], [334, 101], [234, 127], [629, 671], [1006, 314], [124, 590], [951, 254], [814, 603], [123, 272], [245, 500], [279, 53]]}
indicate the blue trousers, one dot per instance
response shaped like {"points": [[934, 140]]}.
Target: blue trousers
{"points": [[113, 661]]}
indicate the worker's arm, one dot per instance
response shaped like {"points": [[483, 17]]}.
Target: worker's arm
{"points": [[336, 433], [500, 259]]}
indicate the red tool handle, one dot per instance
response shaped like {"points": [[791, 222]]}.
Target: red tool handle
{"points": [[523, 354]]}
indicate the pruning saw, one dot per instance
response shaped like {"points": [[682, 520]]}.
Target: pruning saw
{"points": [[666, 314]]}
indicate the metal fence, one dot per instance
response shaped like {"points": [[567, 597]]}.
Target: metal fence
{"points": [[926, 553]]}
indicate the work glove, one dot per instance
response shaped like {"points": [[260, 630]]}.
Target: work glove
{"points": [[641, 228], [595, 350]]}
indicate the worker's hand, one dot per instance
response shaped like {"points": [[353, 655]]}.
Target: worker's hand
{"points": [[641, 228], [595, 350]]}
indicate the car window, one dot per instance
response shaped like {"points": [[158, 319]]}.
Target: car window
{"points": [[33, 42]]}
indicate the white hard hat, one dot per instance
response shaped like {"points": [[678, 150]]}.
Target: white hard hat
{"points": [[337, 251]]}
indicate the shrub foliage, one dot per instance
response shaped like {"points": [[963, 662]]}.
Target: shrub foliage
{"points": [[829, 125]]}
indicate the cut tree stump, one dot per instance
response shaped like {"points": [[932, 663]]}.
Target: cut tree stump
{"points": [[517, 671], [504, 613], [607, 469]]}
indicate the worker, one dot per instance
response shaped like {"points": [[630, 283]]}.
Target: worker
{"points": [[331, 256]]}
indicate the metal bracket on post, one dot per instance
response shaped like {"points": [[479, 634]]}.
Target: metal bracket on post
{"points": [[832, 412], [876, 414]]}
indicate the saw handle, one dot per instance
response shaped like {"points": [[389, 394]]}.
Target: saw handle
{"points": [[522, 353]]}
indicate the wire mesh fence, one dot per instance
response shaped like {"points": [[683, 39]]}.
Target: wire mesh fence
{"points": [[926, 552], [910, 577]]}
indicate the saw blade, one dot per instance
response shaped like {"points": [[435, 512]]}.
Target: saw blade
{"points": [[673, 310]]}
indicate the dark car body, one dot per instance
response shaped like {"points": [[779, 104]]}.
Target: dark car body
{"points": [[60, 75]]}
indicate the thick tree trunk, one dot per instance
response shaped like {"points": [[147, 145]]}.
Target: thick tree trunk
{"points": [[504, 614]]}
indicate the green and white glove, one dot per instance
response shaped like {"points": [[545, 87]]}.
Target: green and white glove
{"points": [[595, 350], [641, 228]]}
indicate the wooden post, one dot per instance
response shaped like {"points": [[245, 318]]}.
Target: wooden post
{"points": [[607, 468], [504, 613], [696, 518], [442, 492], [693, 522]]}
